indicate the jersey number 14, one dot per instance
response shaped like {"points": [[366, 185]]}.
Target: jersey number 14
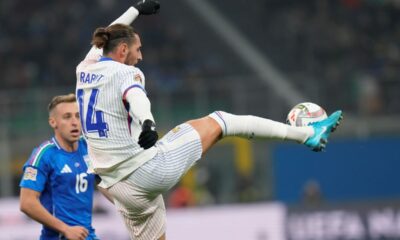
{"points": [[94, 119]]}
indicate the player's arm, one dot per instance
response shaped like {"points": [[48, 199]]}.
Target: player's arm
{"points": [[31, 206], [136, 96], [141, 106], [103, 191], [140, 8], [106, 194]]}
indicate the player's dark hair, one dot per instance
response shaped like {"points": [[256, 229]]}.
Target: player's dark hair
{"points": [[69, 98], [108, 38]]}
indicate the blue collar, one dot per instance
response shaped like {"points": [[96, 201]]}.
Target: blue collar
{"points": [[62, 149], [102, 59]]}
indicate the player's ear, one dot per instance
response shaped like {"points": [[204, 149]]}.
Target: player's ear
{"points": [[124, 49], [52, 122]]}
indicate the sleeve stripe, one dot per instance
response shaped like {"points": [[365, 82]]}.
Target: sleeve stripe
{"points": [[133, 86], [35, 158], [220, 116]]}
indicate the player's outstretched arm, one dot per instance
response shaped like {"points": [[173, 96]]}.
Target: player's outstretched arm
{"points": [[31, 206], [142, 7]]}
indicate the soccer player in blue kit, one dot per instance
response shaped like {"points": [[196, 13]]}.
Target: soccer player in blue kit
{"points": [[56, 189]]}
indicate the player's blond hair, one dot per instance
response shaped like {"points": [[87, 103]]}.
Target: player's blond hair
{"points": [[69, 98]]}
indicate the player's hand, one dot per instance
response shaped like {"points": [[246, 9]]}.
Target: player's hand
{"points": [[149, 136], [75, 233], [147, 7]]}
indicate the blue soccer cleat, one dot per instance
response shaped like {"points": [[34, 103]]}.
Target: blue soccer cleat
{"points": [[322, 130]]}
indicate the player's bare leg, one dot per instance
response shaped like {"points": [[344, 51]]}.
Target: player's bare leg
{"points": [[209, 130]]}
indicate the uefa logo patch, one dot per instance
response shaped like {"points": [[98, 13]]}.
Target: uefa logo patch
{"points": [[176, 129], [30, 174], [138, 78]]}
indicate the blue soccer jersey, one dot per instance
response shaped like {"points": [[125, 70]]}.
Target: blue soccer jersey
{"points": [[65, 186]]}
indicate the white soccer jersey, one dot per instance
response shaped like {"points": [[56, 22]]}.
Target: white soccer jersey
{"points": [[109, 128]]}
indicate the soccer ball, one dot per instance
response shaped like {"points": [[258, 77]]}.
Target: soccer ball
{"points": [[305, 113]]}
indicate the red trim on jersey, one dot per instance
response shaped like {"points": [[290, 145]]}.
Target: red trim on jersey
{"points": [[129, 118], [126, 103]]}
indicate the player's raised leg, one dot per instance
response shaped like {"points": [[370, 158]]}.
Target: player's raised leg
{"points": [[209, 130], [220, 124]]}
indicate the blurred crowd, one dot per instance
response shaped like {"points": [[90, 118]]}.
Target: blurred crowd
{"points": [[349, 49], [42, 42], [346, 47]]}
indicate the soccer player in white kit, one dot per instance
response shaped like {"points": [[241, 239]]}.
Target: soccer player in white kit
{"points": [[120, 129]]}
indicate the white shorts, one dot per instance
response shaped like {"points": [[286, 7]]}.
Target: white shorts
{"points": [[138, 197]]}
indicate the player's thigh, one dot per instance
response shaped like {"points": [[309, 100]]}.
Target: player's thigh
{"points": [[209, 131], [178, 150]]}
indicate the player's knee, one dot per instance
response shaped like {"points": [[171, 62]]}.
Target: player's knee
{"points": [[219, 118]]}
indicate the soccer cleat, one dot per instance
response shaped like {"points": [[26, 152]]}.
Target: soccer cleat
{"points": [[322, 130]]}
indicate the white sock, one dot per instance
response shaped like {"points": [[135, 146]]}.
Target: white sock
{"points": [[248, 126]]}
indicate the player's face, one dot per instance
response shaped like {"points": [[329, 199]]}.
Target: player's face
{"points": [[135, 52], [65, 122]]}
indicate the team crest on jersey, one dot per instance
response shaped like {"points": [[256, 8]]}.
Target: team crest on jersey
{"points": [[138, 78], [30, 173]]}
